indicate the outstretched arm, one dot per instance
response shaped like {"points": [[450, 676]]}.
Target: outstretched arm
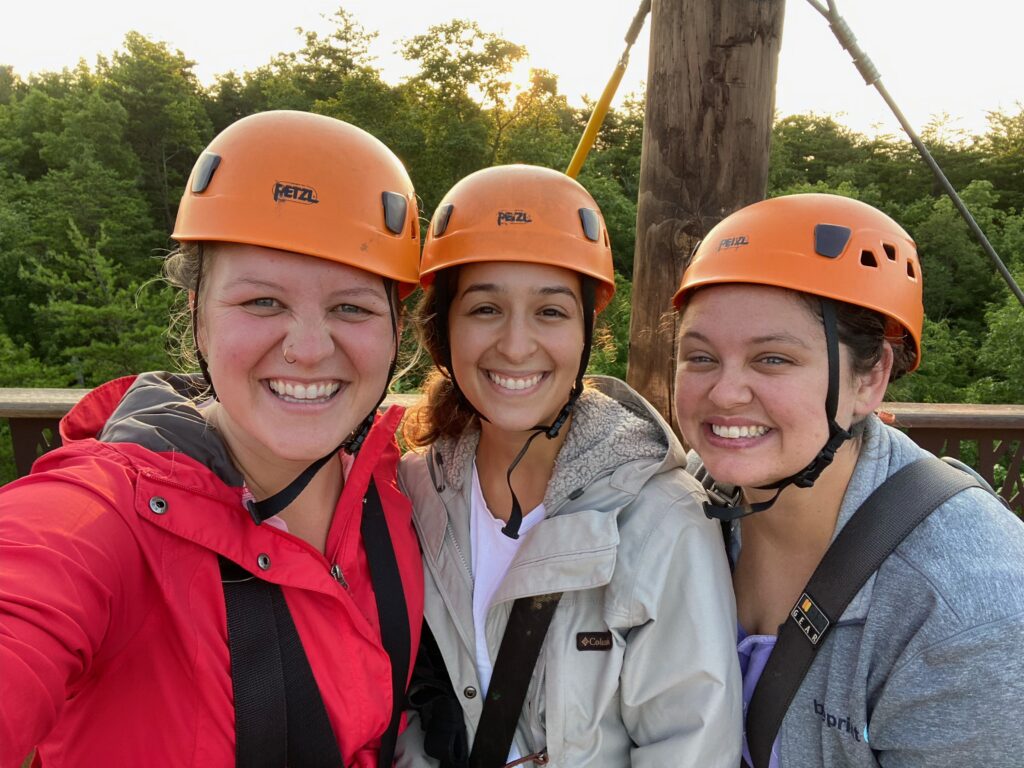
{"points": [[65, 557]]}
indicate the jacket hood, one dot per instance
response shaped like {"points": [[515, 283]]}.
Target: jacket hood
{"points": [[611, 426], [159, 411]]}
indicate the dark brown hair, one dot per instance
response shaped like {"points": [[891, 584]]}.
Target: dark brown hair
{"points": [[863, 332], [444, 410]]}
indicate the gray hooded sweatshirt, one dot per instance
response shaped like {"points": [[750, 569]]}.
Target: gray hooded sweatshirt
{"points": [[925, 667]]}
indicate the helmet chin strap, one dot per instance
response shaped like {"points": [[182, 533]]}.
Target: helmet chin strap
{"points": [[272, 505], [550, 431], [193, 311], [588, 289], [807, 476]]}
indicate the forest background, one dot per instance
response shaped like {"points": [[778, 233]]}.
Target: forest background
{"points": [[94, 159]]}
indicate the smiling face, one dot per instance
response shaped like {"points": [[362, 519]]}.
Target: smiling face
{"points": [[751, 381], [261, 305], [516, 337]]}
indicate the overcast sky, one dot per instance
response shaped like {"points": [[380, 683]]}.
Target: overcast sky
{"points": [[936, 57]]}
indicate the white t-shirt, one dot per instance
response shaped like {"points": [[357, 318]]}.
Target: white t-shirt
{"points": [[492, 553]]}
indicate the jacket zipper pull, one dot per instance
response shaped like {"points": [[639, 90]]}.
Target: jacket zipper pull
{"points": [[338, 576]]}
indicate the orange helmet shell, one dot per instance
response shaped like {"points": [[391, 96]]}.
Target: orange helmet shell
{"points": [[309, 184], [826, 245], [521, 213]]}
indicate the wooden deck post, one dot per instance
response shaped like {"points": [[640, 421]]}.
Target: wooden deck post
{"points": [[707, 133]]}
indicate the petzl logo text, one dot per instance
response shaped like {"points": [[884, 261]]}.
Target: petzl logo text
{"points": [[733, 242], [287, 192], [513, 217]]}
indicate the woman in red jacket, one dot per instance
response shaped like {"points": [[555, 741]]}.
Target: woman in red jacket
{"points": [[219, 569]]}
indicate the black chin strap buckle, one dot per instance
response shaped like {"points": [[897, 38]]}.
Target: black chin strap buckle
{"points": [[732, 508], [556, 426], [806, 477], [358, 437], [254, 512], [726, 513]]}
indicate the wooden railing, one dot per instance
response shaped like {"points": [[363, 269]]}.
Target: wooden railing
{"points": [[989, 437]]}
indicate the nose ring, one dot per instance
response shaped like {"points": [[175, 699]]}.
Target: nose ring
{"points": [[287, 359]]}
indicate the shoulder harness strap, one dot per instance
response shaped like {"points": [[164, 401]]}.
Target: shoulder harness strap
{"points": [[280, 717], [887, 517], [513, 669]]}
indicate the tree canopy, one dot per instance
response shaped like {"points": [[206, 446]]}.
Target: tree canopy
{"points": [[93, 161]]}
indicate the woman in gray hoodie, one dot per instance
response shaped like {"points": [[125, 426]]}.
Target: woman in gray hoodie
{"points": [[795, 313]]}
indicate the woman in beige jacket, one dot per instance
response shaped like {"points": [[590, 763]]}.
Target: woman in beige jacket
{"points": [[598, 514]]}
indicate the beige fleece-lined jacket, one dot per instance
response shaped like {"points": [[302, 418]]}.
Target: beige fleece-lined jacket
{"points": [[639, 666]]}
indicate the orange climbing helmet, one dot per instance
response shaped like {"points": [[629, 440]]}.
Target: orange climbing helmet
{"points": [[826, 245], [309, 184], [521, 213]]}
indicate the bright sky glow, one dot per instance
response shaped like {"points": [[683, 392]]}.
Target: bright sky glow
{"points": [[935, 57]]}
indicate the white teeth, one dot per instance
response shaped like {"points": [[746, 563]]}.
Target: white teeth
{"points": [[734, 432], [506, 382], [295, 391]]}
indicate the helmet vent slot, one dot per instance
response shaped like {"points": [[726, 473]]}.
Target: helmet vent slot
{"points": [[890, 251], [395, 209], [207, 164], [591, 224], [867, 258], [444, 213], [830, 240]]}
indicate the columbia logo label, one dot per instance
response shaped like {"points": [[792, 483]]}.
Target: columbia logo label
{"points": [[593, 641], [733, 242], [514, 217], [294, 193]]}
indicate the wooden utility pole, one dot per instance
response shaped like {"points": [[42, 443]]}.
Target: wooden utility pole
{"points": [[707, 134]]}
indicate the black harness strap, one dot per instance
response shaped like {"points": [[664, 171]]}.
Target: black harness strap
{"points": [[391, 611], [524, 635], [311, 739], [280, 717], [888, 515], [261, 738], [433, 697]]}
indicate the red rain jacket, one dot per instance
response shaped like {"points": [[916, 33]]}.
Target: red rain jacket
{"points": [[113, 639]]}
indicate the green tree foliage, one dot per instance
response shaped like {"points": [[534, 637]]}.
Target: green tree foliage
{"points": [[1001, 360], [465, 64], [460, 66], [73, 170], [93, 161], [324, 64], [95, 323], [959, 281], [948, 367], [167, 125], [610, 351], [539, 129], [1002, 154], [18, 368]]}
